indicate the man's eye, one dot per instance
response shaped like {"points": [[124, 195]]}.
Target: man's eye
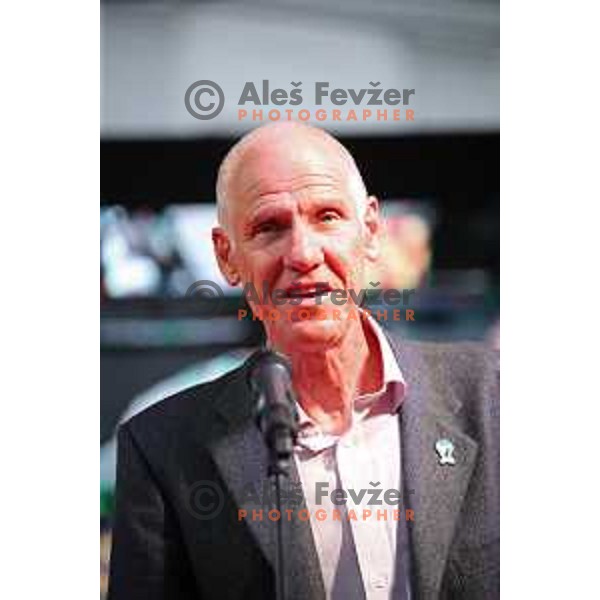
{"points": [[266, 227], [327, 216]]}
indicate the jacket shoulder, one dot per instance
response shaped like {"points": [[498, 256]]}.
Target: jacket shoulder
{"points": [[449, 359], [191, 408], [464, 375]]}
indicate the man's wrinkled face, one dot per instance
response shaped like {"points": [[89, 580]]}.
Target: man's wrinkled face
{"points": [[295, 225]]}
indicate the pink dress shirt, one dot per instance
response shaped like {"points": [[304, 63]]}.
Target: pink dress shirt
{"points": [[357, 555]]}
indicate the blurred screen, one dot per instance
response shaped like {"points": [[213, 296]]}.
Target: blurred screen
{"points": [[159, 254], [147, 253]]}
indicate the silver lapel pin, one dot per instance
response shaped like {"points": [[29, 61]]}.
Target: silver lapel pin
{"points": [[444, 447]]}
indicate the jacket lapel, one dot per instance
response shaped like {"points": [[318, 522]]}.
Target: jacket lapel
{"points": [[434, 491], [243, 462]]}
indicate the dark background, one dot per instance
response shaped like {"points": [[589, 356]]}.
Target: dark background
{"points": [[457, 173]]}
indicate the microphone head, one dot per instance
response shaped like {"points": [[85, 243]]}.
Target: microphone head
{"points": [[268, 363], [276, 415]]}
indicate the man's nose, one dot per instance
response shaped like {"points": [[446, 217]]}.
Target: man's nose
{"points": [[305, 252]]}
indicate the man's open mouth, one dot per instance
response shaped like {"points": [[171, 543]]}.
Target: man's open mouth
{"points": [[308, 290]]}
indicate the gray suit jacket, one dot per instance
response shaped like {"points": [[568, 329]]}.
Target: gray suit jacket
{"points": [[186, 464]]}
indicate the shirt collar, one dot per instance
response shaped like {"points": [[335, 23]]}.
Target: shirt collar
{"points": [[391, 368], [393, 382]]}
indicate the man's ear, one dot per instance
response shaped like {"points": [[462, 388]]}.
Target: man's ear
{"points": [[373, 227], [223, 253]]}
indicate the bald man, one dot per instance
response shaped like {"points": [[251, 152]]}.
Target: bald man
{"points": [[394, 483]]}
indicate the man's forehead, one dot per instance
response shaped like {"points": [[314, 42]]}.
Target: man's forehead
{"points": [[277, 168]]}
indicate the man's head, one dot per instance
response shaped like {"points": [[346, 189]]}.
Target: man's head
{"points": [[294, 212]]}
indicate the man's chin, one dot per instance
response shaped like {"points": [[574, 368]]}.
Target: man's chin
{"points": [[307, 335]]}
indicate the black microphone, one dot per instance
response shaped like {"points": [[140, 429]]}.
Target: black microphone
{"points": [[276, 415]]}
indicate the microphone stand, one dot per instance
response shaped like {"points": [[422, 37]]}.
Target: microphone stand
{"points": [[278, 477], [277, 419], [282, 438]]}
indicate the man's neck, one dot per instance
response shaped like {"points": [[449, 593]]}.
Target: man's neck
{"points": [[327, 381]]}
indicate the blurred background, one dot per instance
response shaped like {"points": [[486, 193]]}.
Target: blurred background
{"points": [[437, 177]]}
